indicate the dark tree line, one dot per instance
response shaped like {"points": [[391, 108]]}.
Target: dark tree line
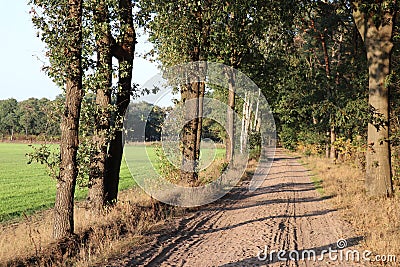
{"points": [[31, 117], [39, 119]]}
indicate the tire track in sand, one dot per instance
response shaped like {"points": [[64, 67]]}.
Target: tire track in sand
{"points": [[286, 213]]}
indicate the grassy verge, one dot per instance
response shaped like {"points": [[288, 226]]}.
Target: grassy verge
{"points": [[315, 179], [98, 237], [378, 220]]}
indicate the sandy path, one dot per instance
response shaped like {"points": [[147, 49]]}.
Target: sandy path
{"points": [[286, 213]]}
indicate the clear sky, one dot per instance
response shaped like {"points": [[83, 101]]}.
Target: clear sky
{"points": [[21, 53]]}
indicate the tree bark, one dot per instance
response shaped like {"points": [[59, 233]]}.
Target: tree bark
{"points": [[189, 160], [96, 192], [124, 52], [333, 140], [202, 90], [242, 134], [64, 202], [334, 154], [256, 114], [230, 139], [194, 91], [378, 42], [246, 122], [190, 152], [202, 56]]}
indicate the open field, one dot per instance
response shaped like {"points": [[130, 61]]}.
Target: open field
{"points": [[25, 188]]}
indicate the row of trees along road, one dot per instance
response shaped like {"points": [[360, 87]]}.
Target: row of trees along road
{"points": [[313, 60], [82, 37]]}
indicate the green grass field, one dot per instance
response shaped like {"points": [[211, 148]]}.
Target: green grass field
{"points": [[25, 188]]}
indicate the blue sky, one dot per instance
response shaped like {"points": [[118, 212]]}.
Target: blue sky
{"points": [[22, 53]]}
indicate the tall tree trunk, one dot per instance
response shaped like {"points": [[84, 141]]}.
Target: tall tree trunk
{"points": [[64, 202], [189, 143], [330, 148], [103, 100], [204, 46], [378, 42], [242, 134], [190, 151], [230, 128], [248, 123], [200, 118], [124, 52], [254, 128], [333, 154], [333, 140]]}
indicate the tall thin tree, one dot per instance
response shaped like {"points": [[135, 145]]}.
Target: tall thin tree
{"points": [[64, 204], [103, 84]]}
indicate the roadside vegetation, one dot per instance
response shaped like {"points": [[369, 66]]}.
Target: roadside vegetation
{"points": [[377, 220]]}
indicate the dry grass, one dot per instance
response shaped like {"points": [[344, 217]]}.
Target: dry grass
{"points": [[378, 220], [98, 237]]}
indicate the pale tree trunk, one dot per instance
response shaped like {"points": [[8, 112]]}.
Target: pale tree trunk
{"points": [[257, 110], [337, 82], [246, 121], [96, 192], [327, 147], [242, 134], [258, 127], [64, 202], [124, 51], [330, 148], [333, 140], [378, 42]]}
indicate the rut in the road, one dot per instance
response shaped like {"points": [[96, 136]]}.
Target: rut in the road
{"points": [[286, 213]]}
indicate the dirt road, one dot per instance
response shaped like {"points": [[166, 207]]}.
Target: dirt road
{"points": [[286, 213]]}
